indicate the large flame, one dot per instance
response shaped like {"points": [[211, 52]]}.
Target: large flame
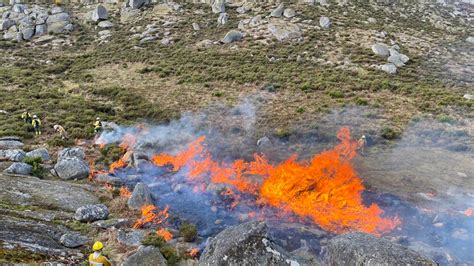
{"points": [[151, 214], [165, 234], [326, 189]]}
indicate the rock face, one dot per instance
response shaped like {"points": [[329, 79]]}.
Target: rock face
{"points": [[91, 213], [41, 153], [380, 49], [19, 169], [73, 240], [99, 13], [148, 255], [363, 249], [284, 30], [245, 244], [141, 196], [232, 36], [10, 143], [324, 22], [45, 193]]}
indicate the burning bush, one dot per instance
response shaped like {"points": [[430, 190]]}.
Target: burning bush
{"points": [[188, 232]]}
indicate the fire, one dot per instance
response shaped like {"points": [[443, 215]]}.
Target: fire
{"points": [[125, 193], [165, 234], [194, 252], [325, 189], [128, 140], [151, 214], [117, 165], [469, 212]]}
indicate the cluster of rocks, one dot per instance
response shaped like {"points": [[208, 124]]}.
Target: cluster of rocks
{"points": [[22, 22], [11, 151], [394, 57], [99, 16]]}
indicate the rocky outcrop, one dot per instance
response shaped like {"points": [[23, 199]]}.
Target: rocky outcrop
{"points": [[284, 30], [19, 169], [73, 240], [146, 255], [10, 143], [14, 155], [39, 153], [245, 244], [141, 196], [364, 249], [91, 213], [45, 193]]}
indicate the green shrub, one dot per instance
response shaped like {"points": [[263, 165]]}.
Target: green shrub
{"points": [[446, 119], [35, 162], [300, 110], [282, 133], [390, 133], [188, 232], [170, 254], [336, 94], [153, 240], [360, 101]]}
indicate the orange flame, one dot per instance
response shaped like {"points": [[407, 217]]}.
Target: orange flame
{"points": [[469, 212], [125, 193], [165, 234], [117, 165], [128, 141], [325, 189], [150, 214], [193, 252]]}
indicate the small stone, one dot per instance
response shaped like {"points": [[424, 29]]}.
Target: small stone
{"points": [[289, 13], [196, 26], [372, 20], [324, 22], [278, 12], [381, 49], [388, 68], [73, 240], [105, 24], [468, 96]]}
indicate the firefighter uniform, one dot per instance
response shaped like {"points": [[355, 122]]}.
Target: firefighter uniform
{"points": [[97, 125], [36, 123], [96, 258], [26, 116]]}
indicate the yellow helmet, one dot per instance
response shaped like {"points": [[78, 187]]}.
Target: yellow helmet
{"points": [[97, 246]]}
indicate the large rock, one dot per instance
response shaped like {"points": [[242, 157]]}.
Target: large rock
{"points": [[99, 13], [18, 8], [284, 30], [381, 49], [41, 29], [278, 12], [388, 68], [57, 195], [148, 255], [218, 6], [364, 249], [75, 152], [41, 153], [57, 27], [470, 39], [73, 240], [10, 143], [289, 13], [72, 168], [5, 24], [59, 17], [14, 155], [396, 58], [28, 33], [91, 213], [232, 36], [19, 169], [131, 238], [141, 196], [324, 22], [109, 179], [245, 244]]}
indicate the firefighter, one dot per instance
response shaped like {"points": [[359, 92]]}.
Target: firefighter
{"points": [[361, 144], [61, 131], [36, 123], [97, 125], [96, 258], [26, 116]]}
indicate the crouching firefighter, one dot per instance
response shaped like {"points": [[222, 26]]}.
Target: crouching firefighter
{"points": [[96, 258], [97, 125]]}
